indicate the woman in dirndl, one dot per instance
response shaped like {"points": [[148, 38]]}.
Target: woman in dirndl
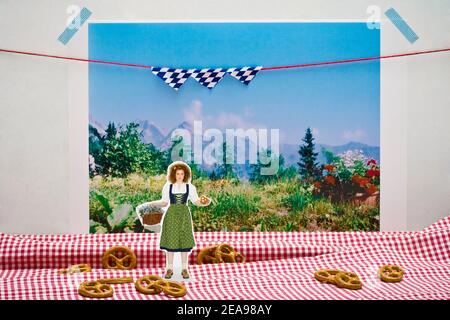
{"points": [[177, 233]]}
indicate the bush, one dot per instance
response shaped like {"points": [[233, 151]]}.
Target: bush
{"points": [[236, 205], [296, 201], [282, 205]]}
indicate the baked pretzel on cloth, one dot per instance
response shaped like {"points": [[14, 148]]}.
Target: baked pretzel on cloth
{"points": [[340, 278], [116, 280], [207, 255], [326, 275], [348, 280], [174, 289], [149, 284], [391, 273], [119, 257], [153, 284], [219, 253], [95, 289], [76, 268], [226, 253]]}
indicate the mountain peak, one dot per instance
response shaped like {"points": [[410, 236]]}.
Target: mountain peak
{"points": [[355, 144], [185, 125]]}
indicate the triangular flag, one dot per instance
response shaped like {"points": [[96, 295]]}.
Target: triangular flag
{"points": [[244, 74], [208, 77], [173, 77]]}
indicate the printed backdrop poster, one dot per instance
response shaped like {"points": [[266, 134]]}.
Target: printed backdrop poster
{"points": [[294, 150]]}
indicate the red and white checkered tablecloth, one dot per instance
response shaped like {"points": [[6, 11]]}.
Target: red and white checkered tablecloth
{"points": [[280, 265]]}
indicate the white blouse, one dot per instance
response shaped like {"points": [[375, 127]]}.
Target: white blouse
{"points": [[179, 188]]}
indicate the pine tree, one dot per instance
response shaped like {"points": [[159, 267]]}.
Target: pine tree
{"points": [[308, 167]]}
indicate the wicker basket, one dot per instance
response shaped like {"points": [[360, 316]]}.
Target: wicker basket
{"points": [[150, 216]]}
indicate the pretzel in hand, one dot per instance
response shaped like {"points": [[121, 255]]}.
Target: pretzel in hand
{"points": [[95, 289], [348, 280], [326, 275], [204, 200], [76, 268], [391, 273], [119, 257], [153, 284]]}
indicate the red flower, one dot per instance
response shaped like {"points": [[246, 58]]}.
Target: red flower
{"points": [[363, 182], [372, 173], [371, 161], [317, 184], [356, 178], [371, 189], [329, 167], [330, 180]]}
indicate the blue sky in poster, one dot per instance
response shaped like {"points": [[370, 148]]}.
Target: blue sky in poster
{"points": [[341, 102]]}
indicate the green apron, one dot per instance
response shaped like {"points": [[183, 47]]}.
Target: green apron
{"points": [[177, 234]]}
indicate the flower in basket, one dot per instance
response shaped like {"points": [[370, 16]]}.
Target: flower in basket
{"points": [[150, 213]]}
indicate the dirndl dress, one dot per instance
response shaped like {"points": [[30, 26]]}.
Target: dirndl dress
{"points": [[177, 233]]}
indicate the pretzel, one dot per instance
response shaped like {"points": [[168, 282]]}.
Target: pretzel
{"points": [[207, 255], [116, 280], [95, 289], [76, 268], [239, 257], [326, 275], [119, 257], [390, 273], [174, 289], [149, 284], [348, 280], [226, 253], [204, 200], [153, 284], [219, 253]]}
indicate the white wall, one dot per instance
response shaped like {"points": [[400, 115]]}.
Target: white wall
{"points": [[44, 104]]}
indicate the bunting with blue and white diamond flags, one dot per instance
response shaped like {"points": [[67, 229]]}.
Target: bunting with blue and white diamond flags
{"points": [[244, 74], [208, 77], [173, 77]]}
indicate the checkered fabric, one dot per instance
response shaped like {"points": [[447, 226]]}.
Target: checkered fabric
{"points": [[208, 77], [280, 265], [244, 74], [173, 77]]}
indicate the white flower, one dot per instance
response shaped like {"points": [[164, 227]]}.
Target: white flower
{"points": [[349, 157], [92, 165]]}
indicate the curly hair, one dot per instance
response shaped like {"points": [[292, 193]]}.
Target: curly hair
{"points": [[174, 167]]}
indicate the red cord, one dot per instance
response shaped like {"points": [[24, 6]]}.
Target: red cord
{"points": [[304, 65], [77, 59], [354, 60]]}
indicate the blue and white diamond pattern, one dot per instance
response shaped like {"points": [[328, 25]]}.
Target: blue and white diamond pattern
{"points": [[173, 77], [244, 74], [208, 77]]}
